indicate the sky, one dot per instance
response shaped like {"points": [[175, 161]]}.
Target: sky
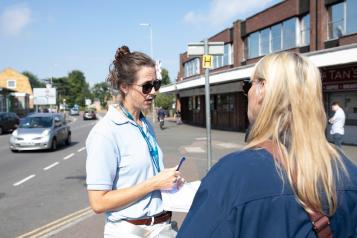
{"points": [[51, 38]]}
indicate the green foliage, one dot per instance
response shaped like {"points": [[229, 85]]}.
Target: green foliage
{"points": [[164, 100], [34, 81], [101, 92], [78, 88], [165, 77]]}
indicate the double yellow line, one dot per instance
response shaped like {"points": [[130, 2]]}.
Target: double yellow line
{"points": [[56, 225]]}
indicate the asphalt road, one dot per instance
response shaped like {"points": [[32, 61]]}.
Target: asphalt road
{"points": [[41, 186]]}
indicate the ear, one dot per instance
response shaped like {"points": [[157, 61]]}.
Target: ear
{"points": [[124, 88]]}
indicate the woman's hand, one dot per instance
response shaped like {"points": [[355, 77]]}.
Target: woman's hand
{"points": [[166, 179]]}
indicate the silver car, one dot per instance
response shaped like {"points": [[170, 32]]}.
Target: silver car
{"points": [[40, 131]]}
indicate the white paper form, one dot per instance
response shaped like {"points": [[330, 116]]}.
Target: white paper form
{"points": [[180, 200]]}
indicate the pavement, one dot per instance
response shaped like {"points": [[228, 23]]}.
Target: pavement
{"points": [[176, 141]]}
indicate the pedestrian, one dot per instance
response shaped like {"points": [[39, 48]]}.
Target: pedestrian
{"points": [[338, 124], [125, 170], [178, 118], [289, 181]]}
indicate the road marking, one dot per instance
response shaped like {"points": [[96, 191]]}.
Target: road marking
{"points": [[55, 226], [24, 180], [68, 156], [228, 145], [93, 123], [194, 150], [81, 149], [201, 138], [51, 166]]}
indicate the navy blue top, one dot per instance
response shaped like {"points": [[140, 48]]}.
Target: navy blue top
{"points": [[243, 195]]}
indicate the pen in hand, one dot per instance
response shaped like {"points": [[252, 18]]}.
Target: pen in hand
{"points": [[180, 164]]}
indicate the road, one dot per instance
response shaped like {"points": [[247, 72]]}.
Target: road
{"points": [[41, 186]]}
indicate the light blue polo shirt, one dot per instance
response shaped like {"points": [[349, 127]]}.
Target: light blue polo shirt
{"points": [[118, 157]]}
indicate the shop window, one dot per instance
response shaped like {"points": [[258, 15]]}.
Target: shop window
{"points": [[225, 102], [11, 83], [190, 106], [305, 30]]}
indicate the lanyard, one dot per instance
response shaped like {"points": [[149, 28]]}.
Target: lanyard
{"points": [[152, 144]]}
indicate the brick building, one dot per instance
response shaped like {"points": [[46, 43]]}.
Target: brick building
{"points": [[323, 30], [19, 92]]}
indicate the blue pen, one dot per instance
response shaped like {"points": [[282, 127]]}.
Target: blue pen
{"points": [[181, 162]]}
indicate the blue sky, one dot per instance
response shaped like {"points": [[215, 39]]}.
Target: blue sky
{"points": [[50, 38]]}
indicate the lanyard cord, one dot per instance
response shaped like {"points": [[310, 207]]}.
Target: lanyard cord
{"points": [[152, 144]]}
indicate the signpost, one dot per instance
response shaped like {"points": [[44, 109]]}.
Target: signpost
{"points": [[207, 50]]}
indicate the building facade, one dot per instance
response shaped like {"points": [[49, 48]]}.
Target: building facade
{"points": [[323, 30], [19, 99]]}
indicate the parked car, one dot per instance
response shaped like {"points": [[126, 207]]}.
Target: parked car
{"points": [[40, 131], [89, 114], [8, 121], [74, 111]]}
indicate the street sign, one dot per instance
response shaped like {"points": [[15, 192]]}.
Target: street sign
{"points": [[198, 49], [207, 50], [207, 61], [44, 96]]}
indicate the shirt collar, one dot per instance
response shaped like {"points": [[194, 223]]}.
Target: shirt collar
{"points": [[117, 116]]}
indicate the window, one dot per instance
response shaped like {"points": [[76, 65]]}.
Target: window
{"points": [[305, 30], [336, 24], [276, 38], [227, 57], [351, 16], [11, 83], [289, 33], [192, 67], [265, 41], [253, 45]]}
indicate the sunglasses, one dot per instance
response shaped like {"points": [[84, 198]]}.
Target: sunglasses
{"points": [[247, 84], [147, 87]]}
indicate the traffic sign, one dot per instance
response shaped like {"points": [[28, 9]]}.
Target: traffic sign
{"points": [[207, 61]]}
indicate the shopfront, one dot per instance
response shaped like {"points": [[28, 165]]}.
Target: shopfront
{"points": [[340, 84]]}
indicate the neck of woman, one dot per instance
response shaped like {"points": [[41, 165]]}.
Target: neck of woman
{"points": [[134, 112]]}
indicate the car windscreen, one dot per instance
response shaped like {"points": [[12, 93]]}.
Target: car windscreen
{"points": [[36, 122]]}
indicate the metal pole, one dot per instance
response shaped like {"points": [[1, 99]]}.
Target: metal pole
{"points": [[152, 56], [208, 113]]}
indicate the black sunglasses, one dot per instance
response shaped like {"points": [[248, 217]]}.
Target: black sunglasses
{"points": [[247, 84], [147, 87]]}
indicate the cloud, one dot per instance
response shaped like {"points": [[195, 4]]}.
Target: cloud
{"points": [[222, 11], [14, 19]]}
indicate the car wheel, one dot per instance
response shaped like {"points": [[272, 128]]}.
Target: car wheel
{"points": [[54, 144], [1, 130], [69, 139]]}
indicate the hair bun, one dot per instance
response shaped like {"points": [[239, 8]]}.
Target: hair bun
{"points": [[122, 52]]}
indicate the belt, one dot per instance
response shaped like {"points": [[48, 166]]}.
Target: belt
{"points": [[165, 216]]}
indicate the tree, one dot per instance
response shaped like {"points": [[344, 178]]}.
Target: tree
{"points": [[34, 81], [78, 88], [165, 77], [101, 92], [164, 100]]}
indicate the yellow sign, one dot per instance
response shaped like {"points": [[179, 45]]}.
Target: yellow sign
{"points": [[207, 61]]}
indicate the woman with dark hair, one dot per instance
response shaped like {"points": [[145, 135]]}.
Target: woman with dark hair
{"points": [[125, 171], [288, 181]]}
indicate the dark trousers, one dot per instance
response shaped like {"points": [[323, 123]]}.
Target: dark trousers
{"points": [[337, 139]]}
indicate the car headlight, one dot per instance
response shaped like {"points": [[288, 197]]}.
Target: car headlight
{"points": [[14, 133], [45, 132]]}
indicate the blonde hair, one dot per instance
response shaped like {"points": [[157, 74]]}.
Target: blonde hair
{"points": [[292, 115]]}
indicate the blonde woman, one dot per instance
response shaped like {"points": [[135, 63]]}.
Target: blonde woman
{"points": [[288, 181]]}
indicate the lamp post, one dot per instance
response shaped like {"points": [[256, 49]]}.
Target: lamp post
{"points": [[152, 56]]}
